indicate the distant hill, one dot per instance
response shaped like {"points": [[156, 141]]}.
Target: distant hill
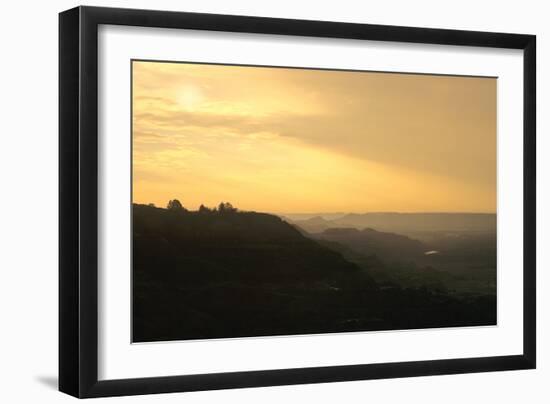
{"points": [[420, 222], [461, 263], [316, 224], [387, 246], [416, 224], [304, 216]]}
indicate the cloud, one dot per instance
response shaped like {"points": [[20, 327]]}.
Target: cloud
{"points": [[243, 121]]}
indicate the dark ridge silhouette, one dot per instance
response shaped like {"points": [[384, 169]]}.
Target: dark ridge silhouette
{"points": [[220, 273]]}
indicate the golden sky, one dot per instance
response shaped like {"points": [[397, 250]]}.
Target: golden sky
{"points": [[304, 141]]}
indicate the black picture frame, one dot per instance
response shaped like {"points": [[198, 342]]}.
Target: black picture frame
{"points": [[78, 201]]}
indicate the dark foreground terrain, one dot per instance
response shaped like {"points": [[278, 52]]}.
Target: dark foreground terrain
{"points": [[221, 274]]}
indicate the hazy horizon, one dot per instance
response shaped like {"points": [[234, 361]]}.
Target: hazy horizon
{"points": [[314, 213], [300, 140], [335, 214]]}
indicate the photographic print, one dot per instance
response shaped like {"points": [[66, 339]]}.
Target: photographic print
{"points": [[274, 201]]}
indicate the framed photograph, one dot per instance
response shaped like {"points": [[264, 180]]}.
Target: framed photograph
{"points": [[251, 201]]}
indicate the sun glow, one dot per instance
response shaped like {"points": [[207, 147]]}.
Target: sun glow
{"points": [[190, 97]]}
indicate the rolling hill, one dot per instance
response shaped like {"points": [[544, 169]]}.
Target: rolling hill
{"points": [[188, 265], [387, 246], [212, 274], [405, 223]]}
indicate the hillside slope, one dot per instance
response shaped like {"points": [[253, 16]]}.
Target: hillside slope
{"points": [[387, 246], [203, 275], [215, 272]]}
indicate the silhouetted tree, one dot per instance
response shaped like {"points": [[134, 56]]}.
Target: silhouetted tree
{"points": [[152, 205], [175, 205], [226, 207], [204, 209]]}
